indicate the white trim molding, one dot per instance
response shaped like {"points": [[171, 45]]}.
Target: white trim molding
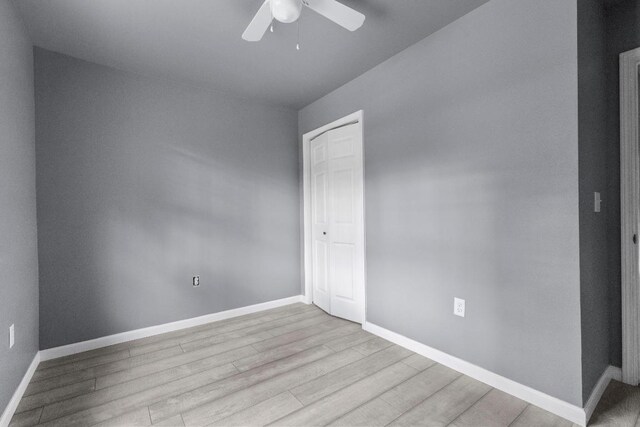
{"points": [[629, 207], [610, 373], [549, 403], [8, 412], [66, 350]]}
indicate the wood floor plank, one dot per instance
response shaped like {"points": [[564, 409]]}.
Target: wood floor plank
{"points": [[305, 333], [274, 328], [218, 334], [533, 416], [243, 399], [84, 355], [263, 413], [419, 362], [316, 389], [101, 370], [138, 418], [337, 404], [243, 345], [293, 323], [619, 406], [263, 317], [136, 385], [495, 409], [175, 421], [280, 313], [428, 382], [144, 398], [445, 405], [375, 413], [80, 365], [26, 419], [267, 356], [343, 343], [181, 403], [48, 397], [156, 342], [372, 346]]}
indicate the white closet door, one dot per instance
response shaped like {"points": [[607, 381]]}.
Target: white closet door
{"points": [[320, 221], [338, 222]]}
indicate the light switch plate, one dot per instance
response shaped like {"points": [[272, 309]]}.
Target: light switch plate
{"points": [[12, 336], [458, 307]]}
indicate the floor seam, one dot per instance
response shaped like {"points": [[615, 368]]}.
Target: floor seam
{"points": [[471, 406], [520, 414], [360, 380], [423, 400]]}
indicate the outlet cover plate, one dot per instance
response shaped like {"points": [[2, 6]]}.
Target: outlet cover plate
{"points": [[196, 281], [458, 307]]}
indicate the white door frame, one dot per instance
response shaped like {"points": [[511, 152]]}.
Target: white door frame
{"points": [[306, 183], [629, 207]]}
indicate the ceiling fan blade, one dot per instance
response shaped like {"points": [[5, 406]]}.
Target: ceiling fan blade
{"points": [[337, 12], [259, 24]]}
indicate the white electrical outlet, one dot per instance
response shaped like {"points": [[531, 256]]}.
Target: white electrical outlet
{"points": [[458, 307], [12, 336], [196, 281]]}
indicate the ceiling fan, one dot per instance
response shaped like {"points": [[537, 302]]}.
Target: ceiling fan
{"points": [[287, 11]]}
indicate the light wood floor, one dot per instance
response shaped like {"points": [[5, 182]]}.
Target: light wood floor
{"points": [[290, 366]]}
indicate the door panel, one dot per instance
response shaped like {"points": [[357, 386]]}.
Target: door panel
{"points": [[342, 144], [321, 260], [343, 196], [320, 222], [346, 220], [343, 265], [320, 207]]}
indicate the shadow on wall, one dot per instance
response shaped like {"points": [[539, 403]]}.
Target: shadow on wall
{"points": [[143, 185], [471, 189]]}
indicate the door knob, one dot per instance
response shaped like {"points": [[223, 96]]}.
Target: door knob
{"points": [[325, 233]]}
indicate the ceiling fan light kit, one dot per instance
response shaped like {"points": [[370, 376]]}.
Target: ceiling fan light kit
{"points": [[288, 11]]}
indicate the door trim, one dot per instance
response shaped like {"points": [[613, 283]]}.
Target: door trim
{"points": [[629, 207], [306, 189]]}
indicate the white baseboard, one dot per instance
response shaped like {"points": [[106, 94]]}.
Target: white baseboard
{"points": [[610, 373], [552, 404], [67, 350], [5, 419]]}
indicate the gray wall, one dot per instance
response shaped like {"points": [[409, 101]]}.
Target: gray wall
{"points": [[18, 247], [594, 289], [142, 184], [471, 189], [622, 23]]}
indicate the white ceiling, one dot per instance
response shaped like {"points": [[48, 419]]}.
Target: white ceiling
{"points": [[200, 41]]}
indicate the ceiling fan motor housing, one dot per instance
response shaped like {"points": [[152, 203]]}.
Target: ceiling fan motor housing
{"points": [[286, 11]]}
